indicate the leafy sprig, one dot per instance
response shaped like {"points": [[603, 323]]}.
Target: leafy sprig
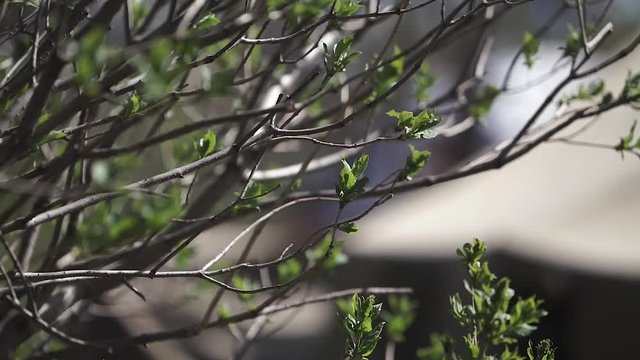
{"points": [[351, 183], [629, 142], [416, 160], [418, 126], [361, 326], [337, 58], [492, 319], [530, 47]]}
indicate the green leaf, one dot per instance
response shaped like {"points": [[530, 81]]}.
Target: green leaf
{"points": [[573, 42], [607, 98], [424, 80], [208, 21], [387, 76], [224, 312], [360, 165], [306, 9], [346, 7], [52, 136], [88, 63], [441, 348], [244, 283], [206, 145], [133, 105], [586, 93], [348, 228], [183, 258], [219, 83], [162, 65], [530, 48], [631, 86], [250, 198], [544, 350], [289, 270], [482, 102], [351, 183], [118, 222], [318, 253], [160, 53], [415, 163], [139, 11], [472, 346]]}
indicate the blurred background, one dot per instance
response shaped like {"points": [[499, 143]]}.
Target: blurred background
{"points": [[562, 222]]}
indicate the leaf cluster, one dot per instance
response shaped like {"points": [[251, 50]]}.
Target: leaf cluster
{"points": [[586, 93], [116, 222]]}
